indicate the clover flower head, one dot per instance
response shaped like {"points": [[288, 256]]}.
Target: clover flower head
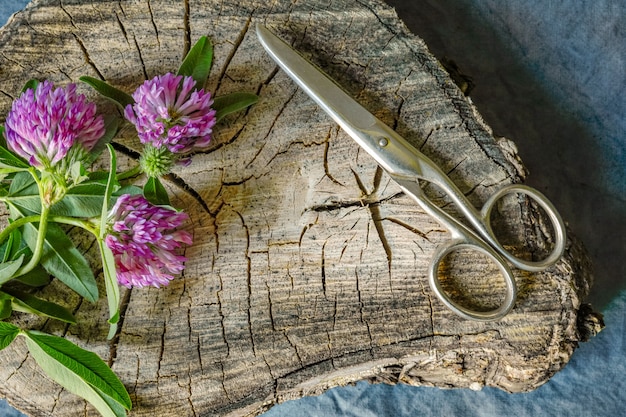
{"points": [[144, 240], [170, 112], [46, 123]]}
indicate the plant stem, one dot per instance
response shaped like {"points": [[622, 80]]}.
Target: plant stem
{"points": [[72, 221], [41, 238], [133, 172], [41, 230], [16, 224]]}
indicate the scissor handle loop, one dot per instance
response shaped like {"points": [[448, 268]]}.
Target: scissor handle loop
{"points": [[558, 227], [511, 288]]}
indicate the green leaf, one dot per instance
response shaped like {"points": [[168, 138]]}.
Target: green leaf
{"points": [[155, 193], [99, 176], [112, 287], [108, 261], [198, 61], [80, 372], [18, 246], [6, 307], [117, 408], [23, 184], [15, 247], [78, 173], [30, 84], [111, 185], [28, 203], [8, 332], [38, 277], [62, 260], [233, 102], [117, 96], [12, 246], [9, 160], [111, 127], [83, 200], [127, 189], [8, 268], [28, 303]]}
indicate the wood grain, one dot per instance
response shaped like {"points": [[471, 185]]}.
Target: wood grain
{"points": [[308, 268]]}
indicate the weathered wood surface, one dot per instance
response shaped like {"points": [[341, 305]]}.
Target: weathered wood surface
{"points": [[308, 268]]}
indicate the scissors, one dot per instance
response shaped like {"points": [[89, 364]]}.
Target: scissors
{"points": [[407, 166]]}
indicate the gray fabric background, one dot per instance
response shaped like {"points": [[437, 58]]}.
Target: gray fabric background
{"points": [[550, 75]]}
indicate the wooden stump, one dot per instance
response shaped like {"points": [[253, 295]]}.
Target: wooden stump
{"points": [[308, 268]]}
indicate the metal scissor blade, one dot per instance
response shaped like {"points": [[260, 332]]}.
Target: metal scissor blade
{"points": [[326, 93], [402, 161], [369, 132]]}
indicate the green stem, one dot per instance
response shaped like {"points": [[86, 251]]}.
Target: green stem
{"points": [[133, 172], [72, 221], [43, 219], [16, 224], [41, 238], [41, 230]]}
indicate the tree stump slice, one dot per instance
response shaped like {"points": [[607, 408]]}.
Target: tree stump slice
{"points": [[308, 268]]}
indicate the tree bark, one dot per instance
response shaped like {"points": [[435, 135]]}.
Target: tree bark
{"points": [[308, 268]]}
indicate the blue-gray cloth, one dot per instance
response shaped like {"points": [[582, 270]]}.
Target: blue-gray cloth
{"points": [[551, 76]]}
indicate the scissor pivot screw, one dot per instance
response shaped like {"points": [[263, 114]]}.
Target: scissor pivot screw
{"points": [[382, 142]]}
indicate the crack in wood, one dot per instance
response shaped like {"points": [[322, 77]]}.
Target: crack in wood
{"points": [[161, 352], [74, 312], [426, 292], [80, 43], [473, 189], [154, 26], [132, 154], [411, 228], [220, 145], [329, 346], [113, 343], [57, 398], [220, 311], [188, 385], [374, 209], [304, 230], [62, 7], [326, 149], [458, 164], [380, 230], [268, 80], [358, 203], [187, 28], [295, 349], [248, 279], [233, 51], [199, 354], [347, 242], [361, 305], [122, 28], [223, 381], [269, 369], [180, 183], [323, 269], [19, 366], [271, 128], [143, 64], [87, 57], [270, 308]]}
